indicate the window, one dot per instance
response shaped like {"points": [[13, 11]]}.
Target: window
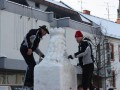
{"points": [[37, 5], [57, 16], [112, 51], [23, 2], [11, 78], [119, 52], [114, 84]]}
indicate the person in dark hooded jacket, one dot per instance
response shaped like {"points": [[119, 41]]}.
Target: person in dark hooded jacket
{"points": [[28, 46], [86, 59]]}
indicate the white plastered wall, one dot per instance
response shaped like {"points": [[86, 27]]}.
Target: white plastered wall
{"points": [[13, 28], [116, 63]]}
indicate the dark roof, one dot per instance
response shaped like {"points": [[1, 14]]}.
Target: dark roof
{"points": [[23, 2], [60, 9], [54, 5], [63, 11]]}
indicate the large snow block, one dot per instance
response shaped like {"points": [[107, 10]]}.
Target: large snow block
{"points": [[55, 76], [55, 71]]}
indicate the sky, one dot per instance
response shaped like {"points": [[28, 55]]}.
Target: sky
{"points": [[106, 9]]}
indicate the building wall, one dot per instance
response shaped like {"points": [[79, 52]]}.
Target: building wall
{"points": [[11, 78], [32, 4], [116, 62], [13, 28]]}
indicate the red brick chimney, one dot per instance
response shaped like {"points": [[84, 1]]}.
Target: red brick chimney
{"points": [[118, 21], [86, 12]]}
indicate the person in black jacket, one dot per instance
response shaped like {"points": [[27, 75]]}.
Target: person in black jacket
{"points": [[29, 45], [86, 59]]}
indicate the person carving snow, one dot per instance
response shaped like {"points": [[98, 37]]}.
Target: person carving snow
{"points": [[86, 59], [28, 46]]}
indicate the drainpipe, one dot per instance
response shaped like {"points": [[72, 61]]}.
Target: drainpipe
{"points": [[98, 65], [0, 33], [118, 10], [104, 65]]}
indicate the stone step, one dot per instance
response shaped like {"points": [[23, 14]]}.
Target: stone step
{"points": [[14, 87], [5, 88]]}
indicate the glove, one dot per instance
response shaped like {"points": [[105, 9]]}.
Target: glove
{"points": [[75, 54], [70, 57], [43, 56]]}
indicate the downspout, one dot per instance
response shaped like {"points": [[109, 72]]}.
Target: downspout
{"points": [[118, 10], [0, 33]]}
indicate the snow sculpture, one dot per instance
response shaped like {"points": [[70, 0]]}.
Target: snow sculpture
{"points": [[55, 72]]}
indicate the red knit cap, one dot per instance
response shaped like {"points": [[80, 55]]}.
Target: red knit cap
{"points": [[78, 34]]}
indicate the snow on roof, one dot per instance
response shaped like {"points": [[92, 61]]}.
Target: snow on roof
{"points": [[109, 28], [58, 3]]}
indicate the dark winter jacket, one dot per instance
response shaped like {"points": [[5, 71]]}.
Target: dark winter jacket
{"points": [[32, 39], [84, 53]]}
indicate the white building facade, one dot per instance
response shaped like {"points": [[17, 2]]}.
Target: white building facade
{"points": [[15, 21], [111, 31]]}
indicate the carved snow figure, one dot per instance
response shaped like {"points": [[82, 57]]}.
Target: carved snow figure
{"points": [[55, 72]]}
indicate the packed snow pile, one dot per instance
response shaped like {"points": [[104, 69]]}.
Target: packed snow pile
{"points": [[55, 72], [57, 47]]}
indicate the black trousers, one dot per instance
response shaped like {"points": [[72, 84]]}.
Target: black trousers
{"points": [[30, 61], [87, 76]]}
